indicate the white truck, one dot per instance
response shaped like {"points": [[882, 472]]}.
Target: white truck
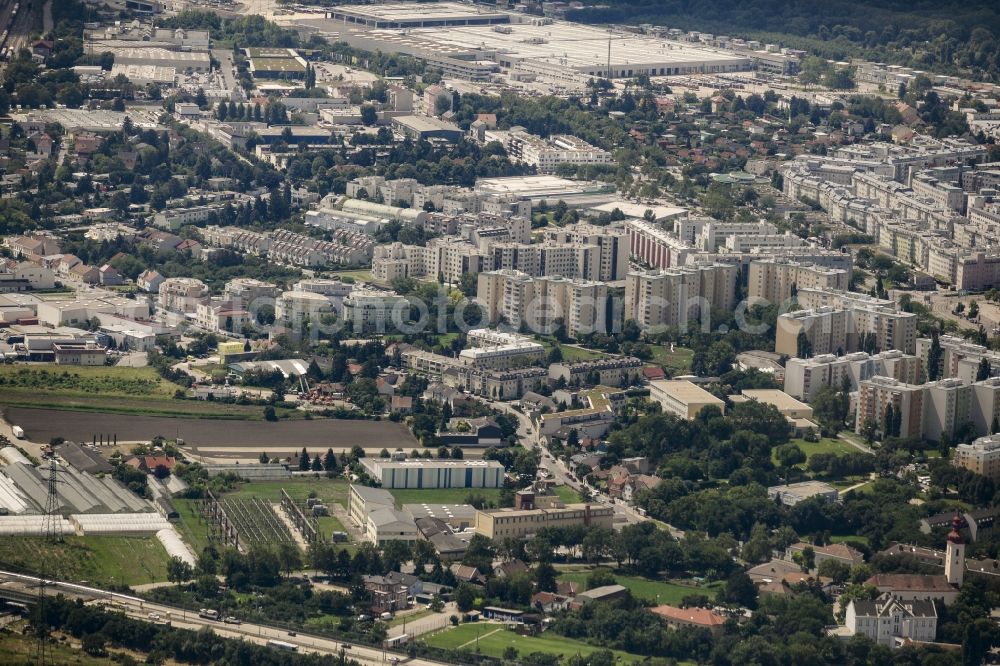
{"points": [[18, 431]]}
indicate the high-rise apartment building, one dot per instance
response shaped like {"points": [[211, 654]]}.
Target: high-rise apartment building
{"points": [[673, 296], [537, 302]]}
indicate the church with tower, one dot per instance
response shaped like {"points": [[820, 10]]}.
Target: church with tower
{"points": [[905, 609]]}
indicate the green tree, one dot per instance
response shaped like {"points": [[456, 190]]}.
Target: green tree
{"points": [[934, 357], [545, 577], [179, 571], [465, 597], [740, 589], [789, 455]]}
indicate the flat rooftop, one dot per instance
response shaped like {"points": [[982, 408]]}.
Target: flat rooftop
{"points": [[632, 209], [386, 463], [73, 120], [685, 391], [415, 14], [570, 46], [804, 488], [779, 399], [444, 512], [426, 124], [276, 65], [534, 185]]}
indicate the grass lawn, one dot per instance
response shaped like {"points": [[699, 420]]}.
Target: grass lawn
{"points": [[494, 639], [331, 524], [657, 591], [824, 445], [96, 559], [570, 354], [847, 482], [442, 495], [192, 525], [567, 494], [111, 389], [329, 490], [678, 360]]}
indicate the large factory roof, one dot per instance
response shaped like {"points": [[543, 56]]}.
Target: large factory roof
{"points": [[433, 32], [416, 14]]}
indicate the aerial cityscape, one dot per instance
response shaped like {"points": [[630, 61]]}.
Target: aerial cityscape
{"points": [[522, 333]]}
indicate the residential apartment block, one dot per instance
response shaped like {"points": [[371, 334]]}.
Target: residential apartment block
{"points": [[981, 456], [960, 358], [774, 278], [805, 376], [181, 294], [617, 371], [574, 260], [907, 400], [498, 350], [612, 243], [548, 154], [654, 246], [672, 296], [536, 303], [835, 330]]}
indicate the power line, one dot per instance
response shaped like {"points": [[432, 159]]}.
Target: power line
{"points": [[52, 524]]}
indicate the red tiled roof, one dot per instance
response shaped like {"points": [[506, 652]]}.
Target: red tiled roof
{"points": [[698, 616]]}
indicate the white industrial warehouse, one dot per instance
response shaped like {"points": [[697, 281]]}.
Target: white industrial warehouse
{"points": [[468, 44]]}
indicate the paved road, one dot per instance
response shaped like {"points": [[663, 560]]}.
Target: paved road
{"points": [[254, 633], [528, 436], [227, 71], [134, 360]]}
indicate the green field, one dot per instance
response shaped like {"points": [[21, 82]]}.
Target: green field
{"points": [[96, 559], [330, 524], [329, 490], [494, 639], [678, 361], [656, 591], [442, 495], [193, 528], [824, 445], [567, 494], [113, 390]]}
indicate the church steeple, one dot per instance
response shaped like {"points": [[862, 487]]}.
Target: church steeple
{"points": [[954, 564]]}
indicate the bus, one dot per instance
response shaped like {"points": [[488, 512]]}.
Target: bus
{"points": [[282, 645]]}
